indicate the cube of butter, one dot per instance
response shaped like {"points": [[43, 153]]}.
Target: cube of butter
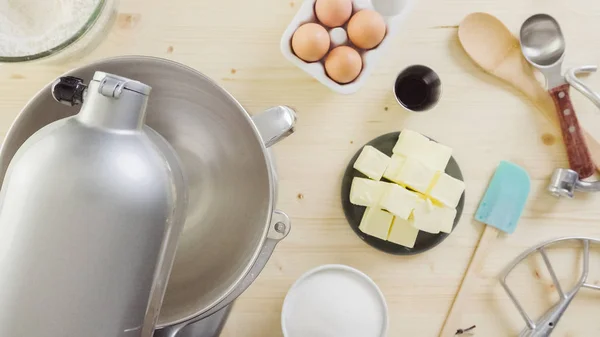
{"points": [[372, 162], [435, 156], [415, 175], [367, 192], [394, 167], [403, 233], [399, 201], [447, 190], [376, 222], [438, 219], [410, 143]]}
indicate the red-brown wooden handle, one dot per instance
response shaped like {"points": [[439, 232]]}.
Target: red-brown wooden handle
{"points": [[580, 159]]}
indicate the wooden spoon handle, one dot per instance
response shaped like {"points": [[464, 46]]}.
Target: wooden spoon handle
{"points": [[580, 159]]}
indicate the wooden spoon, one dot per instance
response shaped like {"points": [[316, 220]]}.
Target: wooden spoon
{"points": [[495, 49], [492, 46]]}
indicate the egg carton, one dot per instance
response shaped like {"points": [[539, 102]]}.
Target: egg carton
{"points": [[393, 12]]}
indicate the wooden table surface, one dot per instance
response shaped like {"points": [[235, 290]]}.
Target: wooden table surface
{"points": [[237, 44]]}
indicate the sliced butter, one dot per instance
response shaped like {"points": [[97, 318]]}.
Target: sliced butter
{"points": [[410, 143], [438, 219], [399, 201], [372, 162], [431, 154], [403, 233], [435, 156], [447, 190], [376, 222], [415, 175], [367, 192], [396, 163]]}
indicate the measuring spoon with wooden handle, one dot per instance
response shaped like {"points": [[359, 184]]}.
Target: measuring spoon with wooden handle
{"points": [[495, 49]]}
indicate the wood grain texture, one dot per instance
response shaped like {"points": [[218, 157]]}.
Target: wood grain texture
{"points": [[452, 323], [577, 150], [493, 47], [484, 120]]}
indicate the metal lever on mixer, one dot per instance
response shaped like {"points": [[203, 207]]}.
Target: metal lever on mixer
{"points": [[68, 90]]}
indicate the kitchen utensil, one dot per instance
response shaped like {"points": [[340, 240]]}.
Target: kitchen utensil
{"points": [[231, 227], [493, 47], [500, 209], [91, 211], [571, 78], [544, 326], [425, 241], [418, 88], [370, 58], [565, 182], [543, 45], [334, 300]]}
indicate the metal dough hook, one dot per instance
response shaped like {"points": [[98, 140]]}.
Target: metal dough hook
{"points": [[565, 182], [544, 326]]}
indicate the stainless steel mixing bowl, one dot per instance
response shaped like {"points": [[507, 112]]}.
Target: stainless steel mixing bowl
{"points": [[231, 219]]}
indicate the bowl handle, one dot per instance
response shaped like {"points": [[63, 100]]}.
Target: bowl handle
{"points": [[274, 124], [279, 228]]}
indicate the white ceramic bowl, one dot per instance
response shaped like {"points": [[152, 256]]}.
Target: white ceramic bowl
{"points": [[316, 296], [306, 14]]}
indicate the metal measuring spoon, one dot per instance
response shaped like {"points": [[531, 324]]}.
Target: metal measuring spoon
{"points": [[543, 45]]}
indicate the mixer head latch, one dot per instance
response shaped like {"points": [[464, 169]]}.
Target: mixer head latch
{"points": [[68, 90]]}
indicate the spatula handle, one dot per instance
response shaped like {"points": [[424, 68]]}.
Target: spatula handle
{"points": [[580, 159], [453, 320]]}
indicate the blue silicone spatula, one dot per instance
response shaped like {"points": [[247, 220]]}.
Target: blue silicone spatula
{"points": [[505, 198], [500, 208]]}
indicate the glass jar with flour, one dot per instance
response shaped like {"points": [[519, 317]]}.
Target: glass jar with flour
{"points": [[52, 29]]}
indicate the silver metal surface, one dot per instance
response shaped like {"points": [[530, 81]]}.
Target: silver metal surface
{"points": [[565, 182], [571, 77], [543, 45], [231, 179], [113, 85], [278, 230], [544, 326], [90, 212], [275, 124]]}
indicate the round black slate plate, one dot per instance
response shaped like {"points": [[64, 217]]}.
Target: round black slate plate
{"points": [[425, 241]]}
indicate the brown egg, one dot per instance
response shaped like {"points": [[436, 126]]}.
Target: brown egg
{"points": [[366, 29], [311, 42], [343, 64], [333, 13]]}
